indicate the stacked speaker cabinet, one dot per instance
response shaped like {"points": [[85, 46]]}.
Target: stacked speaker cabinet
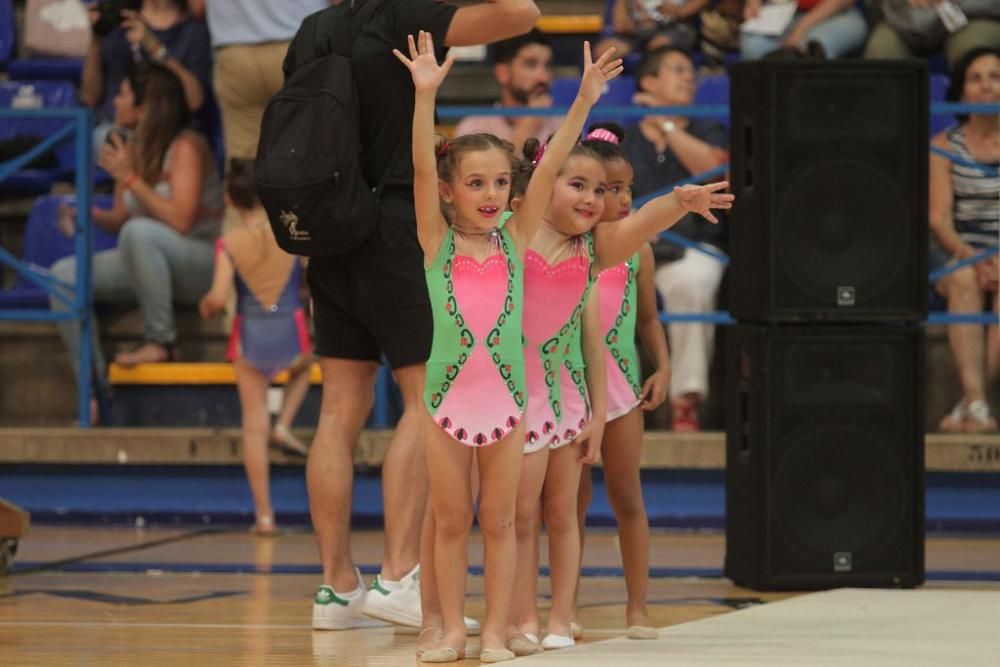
{"points": [[824, 377]]}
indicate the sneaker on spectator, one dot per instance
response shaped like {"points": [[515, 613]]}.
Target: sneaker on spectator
{"points": [[338, 611], [685, 415], [398, 602]]}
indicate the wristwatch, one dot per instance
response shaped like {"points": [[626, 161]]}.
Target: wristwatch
{"points": [[160, 55], [668, 126]]}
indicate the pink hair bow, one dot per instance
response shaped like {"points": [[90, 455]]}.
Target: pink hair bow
{"points": [[601, 134]]}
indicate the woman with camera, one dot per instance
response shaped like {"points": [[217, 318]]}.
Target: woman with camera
{"points": [[132, 31], [167, 210]]}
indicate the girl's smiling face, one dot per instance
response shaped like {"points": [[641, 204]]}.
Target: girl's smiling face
{"points": [[577, 203]]}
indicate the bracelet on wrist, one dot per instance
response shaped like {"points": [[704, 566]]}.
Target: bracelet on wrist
{"points": [[130, 180]]}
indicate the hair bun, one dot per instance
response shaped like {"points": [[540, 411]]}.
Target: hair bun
{"points": [[530, 149]]}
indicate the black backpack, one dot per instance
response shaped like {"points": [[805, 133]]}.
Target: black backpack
{"points": [[308, 167]]}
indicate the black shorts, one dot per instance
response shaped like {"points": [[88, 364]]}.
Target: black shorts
{"points": [[373, 300]]}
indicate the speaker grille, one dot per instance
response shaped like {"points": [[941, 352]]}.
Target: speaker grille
{"points": [[841, 224], [837, 490]]}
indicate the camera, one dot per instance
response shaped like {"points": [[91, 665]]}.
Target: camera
{"points": [[111, 14]]}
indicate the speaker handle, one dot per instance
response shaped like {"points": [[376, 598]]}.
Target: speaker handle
{"points": [[744, 405], [748, 156]]}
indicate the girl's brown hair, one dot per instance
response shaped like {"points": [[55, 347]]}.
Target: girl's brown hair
{"points": [[167, 115], [449, 153], [241, 186], [525, 166]]}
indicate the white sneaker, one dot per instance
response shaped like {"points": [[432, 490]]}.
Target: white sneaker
{"points": [[400, 603], [333, 612]]}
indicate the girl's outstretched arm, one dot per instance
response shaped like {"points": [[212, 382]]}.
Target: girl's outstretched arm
{"points": [[616, 242], [657, 385], [427, 78], [596, 74], [597, 380]]}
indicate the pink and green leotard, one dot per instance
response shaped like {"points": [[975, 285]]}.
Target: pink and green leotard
{"points": [[475, 388], [618, 294], [554, 298]]}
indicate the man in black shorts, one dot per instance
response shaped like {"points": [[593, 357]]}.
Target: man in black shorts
{"points": [[374, 301]]}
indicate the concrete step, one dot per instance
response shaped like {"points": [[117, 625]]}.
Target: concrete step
{"points": [[183, 446]]}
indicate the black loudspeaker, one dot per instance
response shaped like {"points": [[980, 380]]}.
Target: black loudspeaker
{"points": [[825, 456], [829, 168]]}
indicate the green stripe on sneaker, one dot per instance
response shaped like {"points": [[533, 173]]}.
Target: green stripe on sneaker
{"points": [[325, 595], [377, 586]]}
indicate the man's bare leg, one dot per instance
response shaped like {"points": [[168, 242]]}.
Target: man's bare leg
{"points": [[348, 394]]}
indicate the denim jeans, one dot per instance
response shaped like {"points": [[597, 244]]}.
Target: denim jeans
{"points": [[153, 266], [841, 34]]}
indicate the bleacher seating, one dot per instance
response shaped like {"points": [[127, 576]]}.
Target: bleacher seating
{"points": [[47, 69], [38, 95], [938, 91], [7, 43], [45, 243]]}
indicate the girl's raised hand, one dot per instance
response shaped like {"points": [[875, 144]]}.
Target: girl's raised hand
{"points": [[701, 199], [422, 63], [596, 74]]}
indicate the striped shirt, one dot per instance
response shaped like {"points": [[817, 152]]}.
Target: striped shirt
{"points": [[976, 196]]}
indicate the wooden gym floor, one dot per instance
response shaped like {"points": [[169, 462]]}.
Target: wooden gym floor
{"points": [[181, 596]]}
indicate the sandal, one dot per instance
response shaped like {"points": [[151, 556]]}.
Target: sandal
{"points": [[978, 418], [954, 421], [149, 352]]}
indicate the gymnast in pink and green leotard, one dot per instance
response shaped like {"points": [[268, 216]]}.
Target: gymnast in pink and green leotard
{"points": [[618, 304], [475, 387], [554, 298]]}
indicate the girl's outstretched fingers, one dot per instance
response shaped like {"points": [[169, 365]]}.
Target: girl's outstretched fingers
{"points": [[701, 199]]}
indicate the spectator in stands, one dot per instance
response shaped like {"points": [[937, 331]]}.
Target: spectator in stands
{"points": [[825, 28], [644, 25], [163, 32], [523, 68], [269, 333], [250, 38], [719, 32], [167, 210], [911, 28], [965, 219], [664, 150]]}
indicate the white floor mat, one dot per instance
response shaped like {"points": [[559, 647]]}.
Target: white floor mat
{"points": [[841, 628]]}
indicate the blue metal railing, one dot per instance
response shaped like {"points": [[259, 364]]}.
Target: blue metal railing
{"points": [[78, 128]]}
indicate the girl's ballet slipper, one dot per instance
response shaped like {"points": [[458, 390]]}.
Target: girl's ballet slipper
{"points": [[576, 630], [523, 643], [495, 655], [444, 654], [641, 632], [552, 642], [426, 638]]}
